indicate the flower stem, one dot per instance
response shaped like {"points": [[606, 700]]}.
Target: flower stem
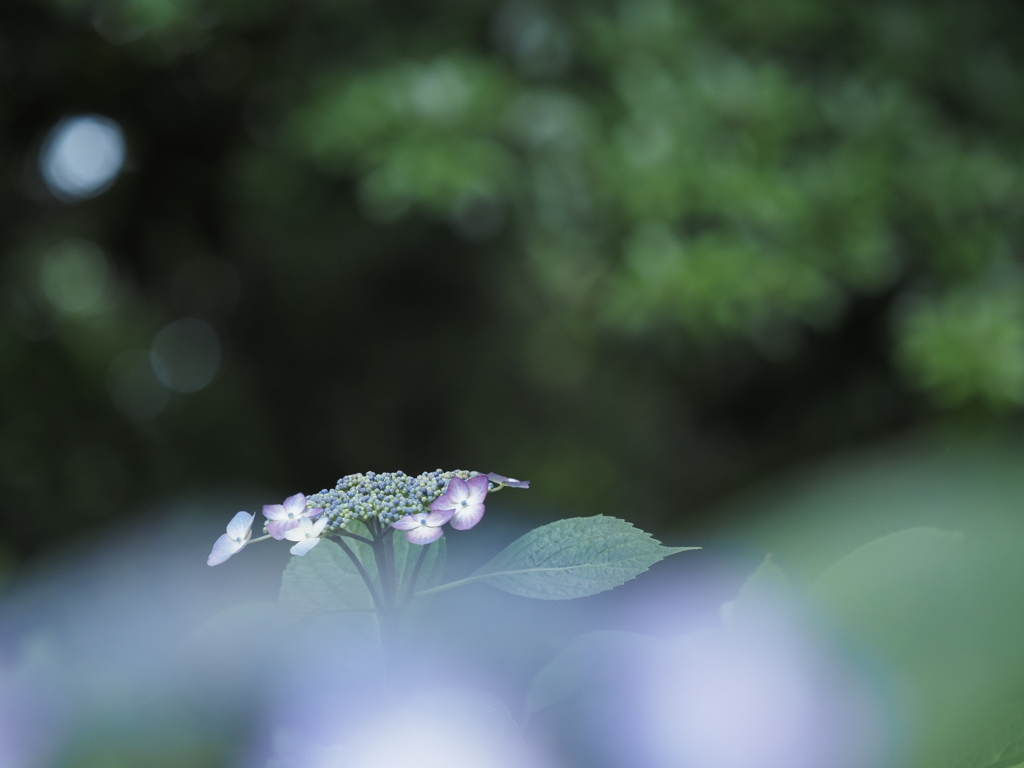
{"points": [[416, 574], [362, 572], [387, 581], [356, 536]]}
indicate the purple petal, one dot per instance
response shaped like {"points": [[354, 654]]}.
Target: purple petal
{"points": [[275, 512], [458, 490], [240, 525], [311, 513], [467, 517], [223, 548], [477, 489], [441, 503], [423, 534], [511, 482], [278, 528], [304, 546], [295, 504], [439, 517], [408, 522]]}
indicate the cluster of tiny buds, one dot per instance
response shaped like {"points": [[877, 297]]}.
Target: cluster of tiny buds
{"points": [[386, 496]]}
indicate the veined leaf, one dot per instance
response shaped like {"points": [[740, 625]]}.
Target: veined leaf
{"points": [[570, 558], [325, 581]]}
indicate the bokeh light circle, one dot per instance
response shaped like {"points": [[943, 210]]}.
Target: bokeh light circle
{"points": [[82, 156], [75, 276], [185, 355]]}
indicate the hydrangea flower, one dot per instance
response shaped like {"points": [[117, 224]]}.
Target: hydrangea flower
{"points": [[285, 517], [239, 531], [511, 482], [306, 533], [423, 527], [464, 501], [381, 496]]}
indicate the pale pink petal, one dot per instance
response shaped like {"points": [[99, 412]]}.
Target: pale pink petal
{"points": [[275, 512], [240, 525], [295, 504], [408, 522], [423, 534], [319, 525], [223, 548], [477, 489], [279, 528], [458, 490], [467, 517], [443, 503], [304, 546], [439, 517]]}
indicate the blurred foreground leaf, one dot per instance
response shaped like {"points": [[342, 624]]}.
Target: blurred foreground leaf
{"points": [[1002, 748], [768, 583], [581, 663], [890, 591]]}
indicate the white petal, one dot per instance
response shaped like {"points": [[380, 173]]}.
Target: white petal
{"points": [[423, 535], [319, 525], [477, 489], [278, 528], [295, 504], [275, 512], [458, 490], [302, 531], [240, 525], [304, 546], [467, 517], [223, 548], [407, 523]]}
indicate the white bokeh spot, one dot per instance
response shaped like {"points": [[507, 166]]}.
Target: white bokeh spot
{"points": [[82, 156]]}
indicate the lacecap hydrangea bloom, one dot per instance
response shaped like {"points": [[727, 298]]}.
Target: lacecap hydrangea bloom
{"points": [[418, 505]]}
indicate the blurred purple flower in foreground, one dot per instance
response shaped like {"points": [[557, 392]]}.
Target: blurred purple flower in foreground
{"points": [[285, 517], [423, 527], [306, 533], [238, 534], [464, 499]]}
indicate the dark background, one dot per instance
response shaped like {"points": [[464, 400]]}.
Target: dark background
{"points": [[645, 254]]}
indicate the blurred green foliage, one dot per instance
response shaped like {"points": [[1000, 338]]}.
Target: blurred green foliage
{"points": [[641, 252]]}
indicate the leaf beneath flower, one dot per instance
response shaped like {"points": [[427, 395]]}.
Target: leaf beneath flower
{"points": [[575, 557]]}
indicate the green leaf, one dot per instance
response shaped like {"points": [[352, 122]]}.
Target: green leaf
{"points": [[1002, 747], [325, 581], [570, 558]]}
